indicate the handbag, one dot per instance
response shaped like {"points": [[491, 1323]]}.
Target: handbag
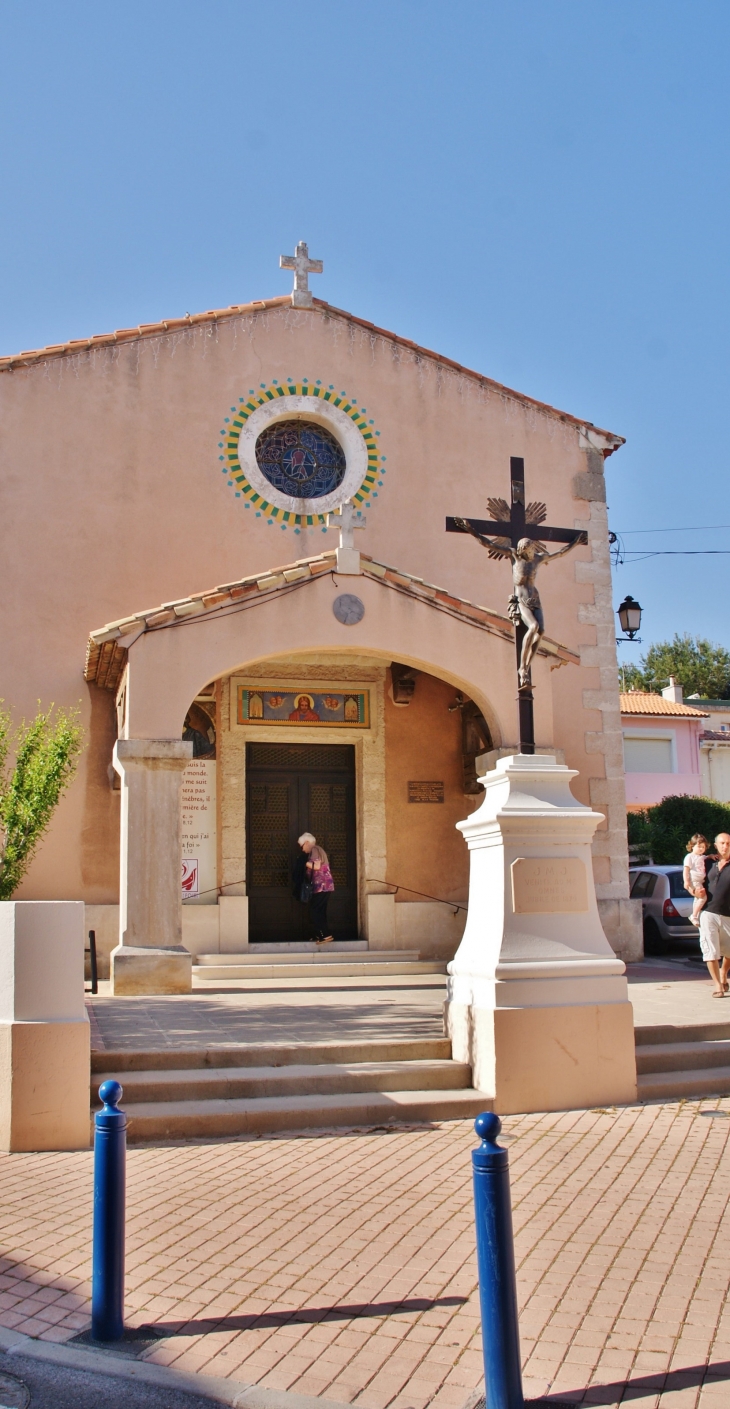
{"points": [[305, 892]]}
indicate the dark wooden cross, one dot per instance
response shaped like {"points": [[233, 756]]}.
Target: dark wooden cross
{"points": [[519, 520]]}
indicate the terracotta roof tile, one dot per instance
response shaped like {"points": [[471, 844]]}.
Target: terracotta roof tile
{"points": [[641, 702], [32, 356], [105, 648]]}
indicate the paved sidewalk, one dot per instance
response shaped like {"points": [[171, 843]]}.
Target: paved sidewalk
{"points": [[360, 1013], [661, 990], [344, 1266]]}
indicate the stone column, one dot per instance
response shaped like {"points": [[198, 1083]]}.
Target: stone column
{"points": [[537, 1001], [621, 917], [150, 956]]}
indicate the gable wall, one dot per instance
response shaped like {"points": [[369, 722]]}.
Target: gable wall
{"points": [[114, 501]]}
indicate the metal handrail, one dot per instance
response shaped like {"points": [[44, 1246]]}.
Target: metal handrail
{"points": [[452, 904], [369, 880], [91, 951]]}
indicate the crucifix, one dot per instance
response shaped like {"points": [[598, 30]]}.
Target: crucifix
{"points": [[521, 536], [303, 266]]}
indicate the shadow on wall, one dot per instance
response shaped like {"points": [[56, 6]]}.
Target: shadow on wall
{"points": [[100, 825]]}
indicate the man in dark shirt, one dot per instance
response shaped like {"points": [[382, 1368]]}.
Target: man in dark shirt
{"points": [[715, 918]]}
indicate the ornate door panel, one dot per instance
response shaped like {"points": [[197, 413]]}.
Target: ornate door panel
{"points": [[295, 788]]}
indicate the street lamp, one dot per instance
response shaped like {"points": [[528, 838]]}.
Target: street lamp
{"points": [[629, 614]]}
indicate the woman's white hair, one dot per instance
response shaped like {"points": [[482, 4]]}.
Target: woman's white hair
{"points": [[306, 836]]}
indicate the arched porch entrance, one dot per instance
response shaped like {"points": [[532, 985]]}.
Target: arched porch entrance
{"points": [[282, 666]]}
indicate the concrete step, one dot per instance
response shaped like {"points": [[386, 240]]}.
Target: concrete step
{"points": [[190, 1120], [347, 968], [308, 946], [682, 1056], [324, 1078], [308, 954], [673, 1085], [657, 1036], [271, 1054]]}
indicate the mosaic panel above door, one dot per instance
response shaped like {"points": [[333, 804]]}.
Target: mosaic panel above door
{"points": [[330, 709]]}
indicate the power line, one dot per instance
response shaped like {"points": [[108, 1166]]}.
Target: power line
{"points": [[638, 557], [698, 528]]}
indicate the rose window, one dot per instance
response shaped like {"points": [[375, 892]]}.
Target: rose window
{"points": [[301, 459]]}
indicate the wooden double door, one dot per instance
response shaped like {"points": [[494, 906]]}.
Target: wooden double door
{"points": [[290, 789]]}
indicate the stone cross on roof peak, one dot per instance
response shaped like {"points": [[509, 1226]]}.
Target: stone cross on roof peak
{"points": [[303, 266]]}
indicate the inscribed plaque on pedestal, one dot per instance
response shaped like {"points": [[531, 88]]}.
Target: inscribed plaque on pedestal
{"points": [[546, 885]]}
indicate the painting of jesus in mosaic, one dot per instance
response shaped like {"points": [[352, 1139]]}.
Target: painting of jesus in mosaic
{"points": [[327, 708]]}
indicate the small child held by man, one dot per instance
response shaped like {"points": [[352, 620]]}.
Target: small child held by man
{"points": [[694, 873]]}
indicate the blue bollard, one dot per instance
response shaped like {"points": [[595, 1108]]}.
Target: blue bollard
{"points": [[107, 1274], [496, 1264]]}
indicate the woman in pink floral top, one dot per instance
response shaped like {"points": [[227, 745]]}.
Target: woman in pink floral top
{"points": [[318, 872]]}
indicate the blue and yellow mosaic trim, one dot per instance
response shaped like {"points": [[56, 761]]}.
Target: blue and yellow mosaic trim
{"points": [[275, 391]]}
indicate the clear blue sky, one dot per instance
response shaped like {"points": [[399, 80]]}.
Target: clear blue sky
{"points": [[536, 188]]}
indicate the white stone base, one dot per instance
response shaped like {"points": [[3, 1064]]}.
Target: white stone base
{"points": [[44, 1028], [547, 1059], [44, 1086], [141, 970], [537, 1001]]}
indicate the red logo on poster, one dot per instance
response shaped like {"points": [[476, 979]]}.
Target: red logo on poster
{"points": [[189, 876]]}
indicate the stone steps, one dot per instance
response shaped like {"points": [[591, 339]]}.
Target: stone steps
{"points": [[308, 954], [325, 1078], [196, 1120], [681, 1062], [310, 965], [260, 1090], [672, 1086], [313, 972], [270, 1054]]}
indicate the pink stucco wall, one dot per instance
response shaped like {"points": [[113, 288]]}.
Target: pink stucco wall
{"points": [[114, 502], [647, 789]]}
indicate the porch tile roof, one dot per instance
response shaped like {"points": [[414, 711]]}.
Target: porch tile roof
{"points": [[642, 702], [31, 357], [106, 652]]}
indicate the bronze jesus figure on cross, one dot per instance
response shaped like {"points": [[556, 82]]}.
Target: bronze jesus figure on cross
{"points": [[520, 533]]}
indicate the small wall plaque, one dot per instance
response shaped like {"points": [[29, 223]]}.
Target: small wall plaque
{"points": [[549, 886], [426, 792]]}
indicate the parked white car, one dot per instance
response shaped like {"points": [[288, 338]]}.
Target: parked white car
{"points": [[667, 907]]}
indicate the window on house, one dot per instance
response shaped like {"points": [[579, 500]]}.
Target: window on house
{"points": [[648, 755]]}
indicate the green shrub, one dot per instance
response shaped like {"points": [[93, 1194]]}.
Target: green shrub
{"points": [[46, 752], [665, 829]]}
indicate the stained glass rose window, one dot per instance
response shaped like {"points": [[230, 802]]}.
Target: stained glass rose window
{"points": [[301, 458]]}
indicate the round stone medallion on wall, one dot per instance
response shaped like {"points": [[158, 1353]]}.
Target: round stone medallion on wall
{"points": [[348, 609], [294, 453]]}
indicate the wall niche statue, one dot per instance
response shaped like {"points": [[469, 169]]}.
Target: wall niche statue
{"points": [[475, 740]]}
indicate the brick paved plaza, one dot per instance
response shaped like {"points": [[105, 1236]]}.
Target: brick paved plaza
{"points": [[343, 1265]]}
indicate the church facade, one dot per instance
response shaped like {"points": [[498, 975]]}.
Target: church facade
{"points": [[225, 541]]}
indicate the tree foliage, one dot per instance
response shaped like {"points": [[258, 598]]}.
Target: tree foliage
{"points": [[698, 665], [46, 752], [663, 832]]}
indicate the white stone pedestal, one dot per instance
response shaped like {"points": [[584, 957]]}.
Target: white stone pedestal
{"points": [[44, 1028], [150, 956], [537, 1001]]}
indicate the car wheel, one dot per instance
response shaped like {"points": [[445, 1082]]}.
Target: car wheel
{"points": [[653, 943]]}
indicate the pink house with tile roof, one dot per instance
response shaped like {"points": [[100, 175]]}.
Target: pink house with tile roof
{"points": [[662, 738]]}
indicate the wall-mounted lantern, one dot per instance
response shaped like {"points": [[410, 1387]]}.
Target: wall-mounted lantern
{"points": [[629, 614]]}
